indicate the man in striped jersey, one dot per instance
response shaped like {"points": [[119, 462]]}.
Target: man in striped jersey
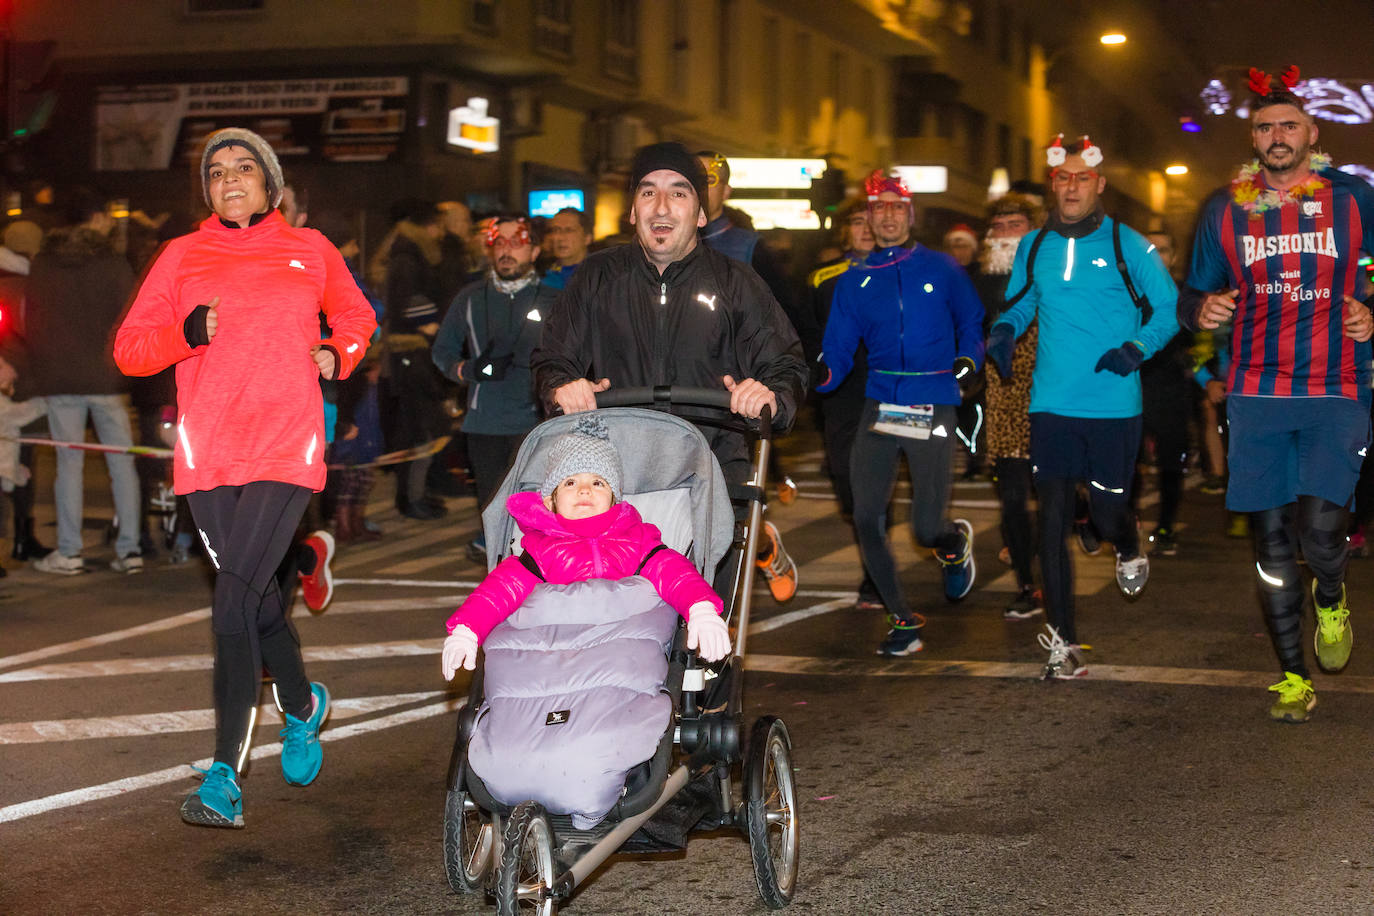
{"points": [[1276, 251]]}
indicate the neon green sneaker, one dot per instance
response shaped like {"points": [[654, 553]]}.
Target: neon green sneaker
{"points": [[1334, 637], [1296, 699]]}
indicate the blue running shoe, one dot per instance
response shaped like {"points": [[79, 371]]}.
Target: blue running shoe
{"points": [[903, 639], [301, 754], [218, 802], [958, 568]]}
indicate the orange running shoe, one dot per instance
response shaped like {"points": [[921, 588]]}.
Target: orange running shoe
{"points": [[777, 567]]}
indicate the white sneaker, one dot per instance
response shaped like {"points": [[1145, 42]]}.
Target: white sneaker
{"points": [[1066, 659], [129, 565], [60, 565], [1132, 574]]}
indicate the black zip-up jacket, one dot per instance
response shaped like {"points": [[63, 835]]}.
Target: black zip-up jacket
{"points": [[707, 316]]}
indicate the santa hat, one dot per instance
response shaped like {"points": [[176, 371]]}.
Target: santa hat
{"points": [[961, 229]]}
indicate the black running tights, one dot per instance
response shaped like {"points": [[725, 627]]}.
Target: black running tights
{"points": [[1014, 492], [247, 531], [1110, 514], [1319, 527]]}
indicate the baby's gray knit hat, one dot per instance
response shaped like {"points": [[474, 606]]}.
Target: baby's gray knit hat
{"points": [[261, 150], [587, 449]]}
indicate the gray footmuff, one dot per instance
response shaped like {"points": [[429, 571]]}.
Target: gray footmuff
{"points": [[573, 695]]}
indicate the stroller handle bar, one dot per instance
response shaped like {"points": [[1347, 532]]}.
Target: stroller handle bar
{"points": [[664, 396]]}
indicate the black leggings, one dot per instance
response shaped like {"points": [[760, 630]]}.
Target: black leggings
{"points": [[1111, 515], [247, 531], [1319, 526], [1014, 491], [873, 470]]}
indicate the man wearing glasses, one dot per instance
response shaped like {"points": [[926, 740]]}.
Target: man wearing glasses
{"points": [[1088, 280]]}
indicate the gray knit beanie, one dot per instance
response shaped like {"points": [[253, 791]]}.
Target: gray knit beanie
{"points": [[587, 449], [261, 150]]}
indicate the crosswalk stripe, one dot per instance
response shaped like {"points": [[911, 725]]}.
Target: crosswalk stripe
{"points": [[176, 773], [187, 720], [1127, 674], [153, 626]]}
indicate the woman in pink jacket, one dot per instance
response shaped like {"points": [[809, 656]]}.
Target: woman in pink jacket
{"points": [[575, 528], [235, 307]]}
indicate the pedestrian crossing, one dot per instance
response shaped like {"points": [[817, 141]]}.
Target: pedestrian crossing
{"points": [[422, 568]]}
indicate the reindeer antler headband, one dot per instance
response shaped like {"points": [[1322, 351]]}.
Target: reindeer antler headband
{"points": [[1262, 84]]}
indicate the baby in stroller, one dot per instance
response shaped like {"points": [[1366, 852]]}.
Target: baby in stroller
{"points": [[575, 529], [572, 679]]}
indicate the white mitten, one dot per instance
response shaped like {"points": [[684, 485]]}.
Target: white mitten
{"points": [[460, 651], [707, 632]]}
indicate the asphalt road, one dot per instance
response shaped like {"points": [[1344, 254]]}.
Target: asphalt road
{"points": [[951, 782]]}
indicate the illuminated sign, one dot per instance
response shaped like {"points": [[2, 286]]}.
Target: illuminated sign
{"points": [[547, 203], [792, 174], [924, 179], [777, 214], [470, 127]]}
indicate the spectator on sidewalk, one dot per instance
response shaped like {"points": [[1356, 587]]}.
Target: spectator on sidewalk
{"points": [[77, 289]]}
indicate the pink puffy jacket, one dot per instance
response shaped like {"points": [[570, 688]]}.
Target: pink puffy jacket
{"points": [[606, 546]]}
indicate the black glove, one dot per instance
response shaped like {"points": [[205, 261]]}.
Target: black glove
{"points": [[1124, 360], [820, 373], [965, 373], [194, 326], [1001, 342]]}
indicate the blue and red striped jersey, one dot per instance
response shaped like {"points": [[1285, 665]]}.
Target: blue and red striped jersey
{"points": [[1293, 265]]}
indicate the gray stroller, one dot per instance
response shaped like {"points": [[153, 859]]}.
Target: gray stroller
{"points": [[702, 774]]}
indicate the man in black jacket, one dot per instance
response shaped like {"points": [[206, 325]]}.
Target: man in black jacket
{"points": [[666, 310]]}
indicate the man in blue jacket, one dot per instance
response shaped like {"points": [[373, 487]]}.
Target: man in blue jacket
{"points": [[1085, 403], [918, 315]]}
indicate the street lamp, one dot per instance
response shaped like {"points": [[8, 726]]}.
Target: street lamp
{"points": [[1110, 39], [1176, 169]]}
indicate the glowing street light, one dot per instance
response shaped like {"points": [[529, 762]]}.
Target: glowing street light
{"points": [[1113, 38], [1178, 169]]}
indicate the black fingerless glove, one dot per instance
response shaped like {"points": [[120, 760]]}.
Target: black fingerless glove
{"points": [[194, 327]]}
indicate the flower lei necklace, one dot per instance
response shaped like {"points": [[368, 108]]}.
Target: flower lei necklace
{"points": [[1255, 199]]}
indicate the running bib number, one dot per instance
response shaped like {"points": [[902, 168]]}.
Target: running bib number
{"points": [[913, 421]]}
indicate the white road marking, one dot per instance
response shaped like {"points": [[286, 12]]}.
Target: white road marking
{"points": [[186, 720], [1126, 674], [153, 626], [119, 667], [791, 617], [173, 774]]}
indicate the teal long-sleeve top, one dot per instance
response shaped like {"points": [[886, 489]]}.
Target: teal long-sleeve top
{"points": [[1084, 310]]}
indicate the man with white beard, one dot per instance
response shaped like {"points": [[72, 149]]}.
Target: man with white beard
{"points": [[1010, 218]]}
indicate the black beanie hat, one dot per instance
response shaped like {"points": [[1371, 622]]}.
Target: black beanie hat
{"points": [[671, 156]]}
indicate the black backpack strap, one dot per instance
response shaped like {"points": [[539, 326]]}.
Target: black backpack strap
{"points": [[649, 556], [527, 561], [1141, 302], [1030, 268]]}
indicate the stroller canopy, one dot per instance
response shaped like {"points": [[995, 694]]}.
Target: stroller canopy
{"points": [[665, 459]]}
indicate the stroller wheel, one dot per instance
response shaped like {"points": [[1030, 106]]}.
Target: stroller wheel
{"points": [[525, 877], [469, 837], [770, 811]]}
